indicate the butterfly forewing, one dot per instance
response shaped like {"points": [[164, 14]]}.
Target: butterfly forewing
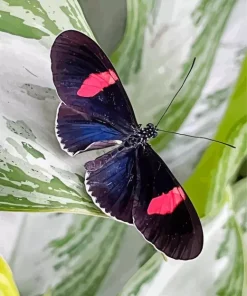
{"points": [[86, 80]]}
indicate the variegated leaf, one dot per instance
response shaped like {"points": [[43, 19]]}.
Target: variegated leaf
{"points": [[74, 254], [220, 163], [35, 174]]}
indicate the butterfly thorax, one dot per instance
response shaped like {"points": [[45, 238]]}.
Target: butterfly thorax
{"points": [[141, 136]]}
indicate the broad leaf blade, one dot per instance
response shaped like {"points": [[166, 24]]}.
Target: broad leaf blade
{"points": [[74, 254], [205, 52], [131, 47], [35, 174], [220, 163], [38, 19], [144, 275]]}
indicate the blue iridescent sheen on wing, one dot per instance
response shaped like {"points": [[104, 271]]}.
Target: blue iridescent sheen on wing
{"points": [[77, 132], [110, 180]]}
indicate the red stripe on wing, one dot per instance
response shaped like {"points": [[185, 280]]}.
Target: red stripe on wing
{"points": [[96, 82], [166, 203]]}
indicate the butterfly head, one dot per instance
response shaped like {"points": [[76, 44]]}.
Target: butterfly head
{"points": [[141, 136], [149, 131]]}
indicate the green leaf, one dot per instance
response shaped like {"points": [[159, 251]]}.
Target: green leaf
{"points": [[100, 241], [74, 254], [207, 13], [35, 153], [239, 206], [36, 19], [220, 163], [15, 25], [239, 203], [27, 187], [145, 274], [233, 281], [35, 175], [174, 278], [131, 46]]}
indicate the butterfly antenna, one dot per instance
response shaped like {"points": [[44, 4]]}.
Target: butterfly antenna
{"points": [[204, 138], [176, 93]]}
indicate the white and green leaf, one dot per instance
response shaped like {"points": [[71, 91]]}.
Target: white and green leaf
{"points": [[74, 254], [130, 49], [203, 16], [41, 19], [219, 164], [35, 175]]}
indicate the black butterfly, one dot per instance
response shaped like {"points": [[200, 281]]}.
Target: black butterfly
{"points": [[131, 182]]}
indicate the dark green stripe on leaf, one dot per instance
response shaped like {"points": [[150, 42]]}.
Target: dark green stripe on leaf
{"points": [[37, 10], [35, 153], [15, 26]]}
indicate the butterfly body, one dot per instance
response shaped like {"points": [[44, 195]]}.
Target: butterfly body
{"points": [[141, 136], [130, 183]]}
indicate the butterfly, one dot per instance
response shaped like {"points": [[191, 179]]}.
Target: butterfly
{"points": [[130, 183]]}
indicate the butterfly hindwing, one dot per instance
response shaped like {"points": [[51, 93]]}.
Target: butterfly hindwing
{"points": [[77, 132], [162, 211], [110, 181]]}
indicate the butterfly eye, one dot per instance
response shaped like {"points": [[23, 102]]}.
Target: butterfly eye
{"points": [[155, 134]]}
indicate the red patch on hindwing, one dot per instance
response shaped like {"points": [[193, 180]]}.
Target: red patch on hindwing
{"points": [[96, 82], [166, 203]]}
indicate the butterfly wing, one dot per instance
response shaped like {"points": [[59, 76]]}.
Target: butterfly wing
{"points": [[77, 132], [89, 86], [162, 211], [110, 180]]}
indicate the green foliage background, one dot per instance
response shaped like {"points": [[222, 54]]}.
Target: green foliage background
{"points": [[68, 254]]}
